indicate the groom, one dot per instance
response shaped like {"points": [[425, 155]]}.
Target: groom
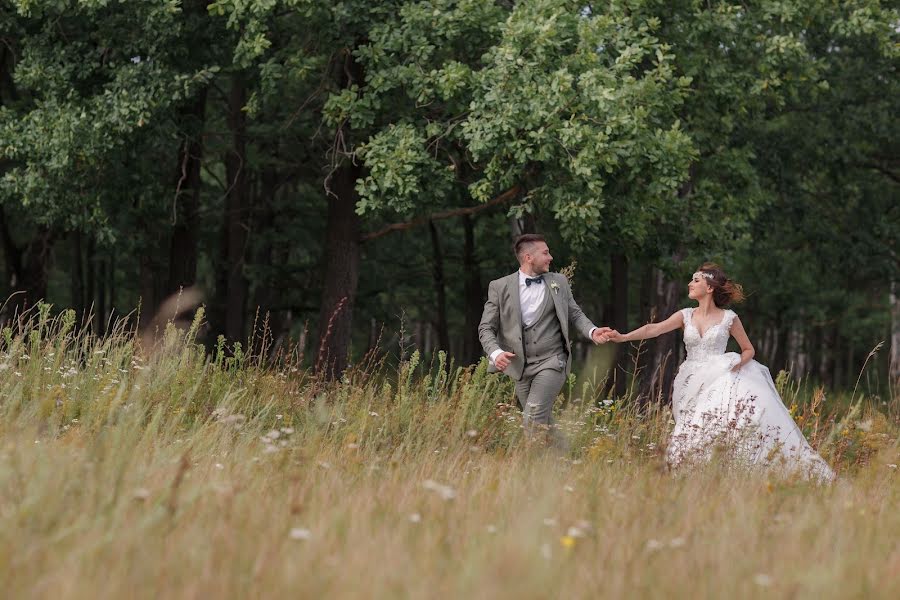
{"points": [[524, 329]]}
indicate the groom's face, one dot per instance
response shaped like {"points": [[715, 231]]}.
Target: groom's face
{"points": [[538, 257]]}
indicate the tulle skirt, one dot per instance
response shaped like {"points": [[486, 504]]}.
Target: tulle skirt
{"points": [[739, 416]]}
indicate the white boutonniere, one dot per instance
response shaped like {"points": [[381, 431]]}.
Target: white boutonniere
{"points": [[554, 286]]}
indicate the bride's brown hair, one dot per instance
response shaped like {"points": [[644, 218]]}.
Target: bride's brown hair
{"points": [[725, 291]]}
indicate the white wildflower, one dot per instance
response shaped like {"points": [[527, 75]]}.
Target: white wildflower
{"points": [[444, 491], [546, 551]]}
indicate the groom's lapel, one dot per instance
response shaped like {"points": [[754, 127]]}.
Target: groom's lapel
{"points": [[512, 284], [561, 309]]}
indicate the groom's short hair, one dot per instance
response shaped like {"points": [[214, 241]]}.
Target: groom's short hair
{"points": [[524, 241]]}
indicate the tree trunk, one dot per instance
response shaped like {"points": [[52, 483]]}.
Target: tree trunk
{"points": [[849, 369], [663, 352], [522, 225], [112, 280], [77, 277], [232, 292], [474, 295], [90, 264], [342, 255], [895, 335], [101, 296], [826, 358], [35, 270], [183, 246], [440, 290], [151, 278], [27, 269], [12, 254], [618, 316], [795, 352]]}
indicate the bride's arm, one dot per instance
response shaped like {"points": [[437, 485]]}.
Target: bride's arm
{"points": [[651, 330], [747, 351]]}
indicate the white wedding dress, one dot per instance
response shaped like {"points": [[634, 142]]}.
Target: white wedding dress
{"points": [[738, 414]]}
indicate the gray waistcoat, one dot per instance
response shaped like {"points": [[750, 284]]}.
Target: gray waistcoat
{"points": [[544, 341]]}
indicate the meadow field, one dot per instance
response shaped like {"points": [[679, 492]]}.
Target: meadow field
{"points": [[139, 468]]}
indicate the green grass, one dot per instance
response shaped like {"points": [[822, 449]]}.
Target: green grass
{"points": [[134, 468]]}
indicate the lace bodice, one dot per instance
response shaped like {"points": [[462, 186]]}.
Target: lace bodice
{"points": [[712, 342]]}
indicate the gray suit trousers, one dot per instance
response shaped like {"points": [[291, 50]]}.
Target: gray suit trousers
{"points": [[538, 390]]}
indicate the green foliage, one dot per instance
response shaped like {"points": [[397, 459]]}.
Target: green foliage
{"points": [[763, 134]]}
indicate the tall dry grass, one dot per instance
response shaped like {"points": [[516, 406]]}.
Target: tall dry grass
{"points": [[131, 471]]}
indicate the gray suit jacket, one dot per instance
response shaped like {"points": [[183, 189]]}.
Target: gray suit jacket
{"points": [[501, 321]]}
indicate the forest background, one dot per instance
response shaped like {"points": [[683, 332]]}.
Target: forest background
{"points": [[349, 175]]}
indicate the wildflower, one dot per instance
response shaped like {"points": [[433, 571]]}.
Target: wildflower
{"points": [[569, 489], [892, 466], [444, 491], [550, 521], [677, 542], [762, 580], [300, 533], [141, 494], [237, 420], [654, 545], [546, 552], [373, 414], [491, 528], [567, 541], [415, 518], [279, 416], [575, 532], [471, 433], [220, 466], [287, 430]]}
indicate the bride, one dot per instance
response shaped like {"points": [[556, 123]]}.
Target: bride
{"points": [[723, 399]]}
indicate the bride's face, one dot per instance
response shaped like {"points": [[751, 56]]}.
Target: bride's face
{"points": [[697, 287]]}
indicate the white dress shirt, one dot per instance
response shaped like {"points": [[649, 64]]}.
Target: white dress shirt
{"points": [[531, 298]]}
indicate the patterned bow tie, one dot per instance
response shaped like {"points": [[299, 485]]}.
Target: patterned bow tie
{"points": [[530, 280]]}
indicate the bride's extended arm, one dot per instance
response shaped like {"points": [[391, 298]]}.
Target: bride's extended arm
{"points": [[651, 330], [747, 351]]}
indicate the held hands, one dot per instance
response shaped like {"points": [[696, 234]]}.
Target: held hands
{"points": [[503, 359], [601, 335], [615, 336]]}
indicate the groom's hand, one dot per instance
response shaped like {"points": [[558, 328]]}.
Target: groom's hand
{"points": [[503, 359], [601, 335]]}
